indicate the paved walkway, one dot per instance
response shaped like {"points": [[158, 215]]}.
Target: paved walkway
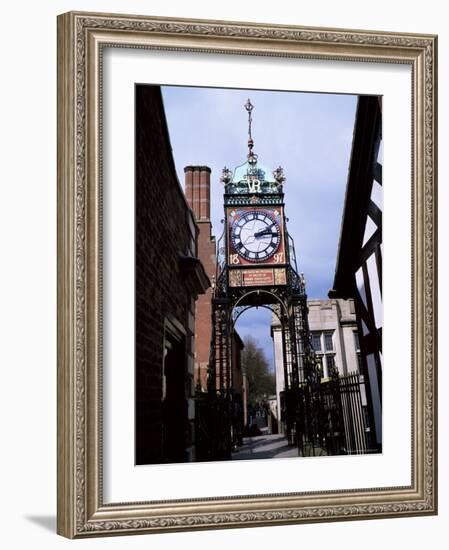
{"points": [[264, 446]]}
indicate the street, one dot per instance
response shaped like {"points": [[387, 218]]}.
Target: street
{"points": [[265, 446]]}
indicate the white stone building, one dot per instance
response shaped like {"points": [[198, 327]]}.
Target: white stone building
{"points": [[335, 340], [333, 328]]}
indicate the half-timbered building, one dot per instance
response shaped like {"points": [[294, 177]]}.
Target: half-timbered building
{"points": [[358, 273]]}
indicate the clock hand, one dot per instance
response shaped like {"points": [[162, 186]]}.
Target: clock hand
{"points": [[263, 233], [247, 240]]}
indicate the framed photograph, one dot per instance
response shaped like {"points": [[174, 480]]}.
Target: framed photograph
{"points": [[246, 274]]}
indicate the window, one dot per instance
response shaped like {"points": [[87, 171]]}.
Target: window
{"points": [[330, 361], [316, 342], [356, 341], [325, 356], [359, 362], [319, 362], [357, 351]]}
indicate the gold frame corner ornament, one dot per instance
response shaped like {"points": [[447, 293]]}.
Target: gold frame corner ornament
{"points": [[81, 511]]}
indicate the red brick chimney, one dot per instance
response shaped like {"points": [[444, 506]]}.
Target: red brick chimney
{"points": [[197, 190]]}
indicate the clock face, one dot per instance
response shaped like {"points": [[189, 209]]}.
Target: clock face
{"points": [[256, 236]]}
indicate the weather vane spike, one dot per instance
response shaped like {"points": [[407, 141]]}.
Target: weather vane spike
{"points": [[252, 157]]}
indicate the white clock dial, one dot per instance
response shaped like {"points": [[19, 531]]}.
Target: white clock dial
{"points": [[256, 235]]}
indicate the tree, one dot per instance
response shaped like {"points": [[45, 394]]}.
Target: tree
{"points": [[261, 381]]}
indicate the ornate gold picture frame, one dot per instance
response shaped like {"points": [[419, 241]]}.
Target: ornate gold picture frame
{"points": [[82, 40]]}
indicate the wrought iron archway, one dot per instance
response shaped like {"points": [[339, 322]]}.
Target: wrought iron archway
{"points": [[302, 373]]}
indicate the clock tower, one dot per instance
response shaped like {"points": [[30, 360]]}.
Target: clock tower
{"points": [[256, 267], [256, 245]]}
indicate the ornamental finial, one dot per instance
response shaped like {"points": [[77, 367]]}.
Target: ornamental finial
{"points": [[252, 157], [226, 176], [279, 175]]}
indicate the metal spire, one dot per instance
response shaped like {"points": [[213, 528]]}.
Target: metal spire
{"points": [[252, 157]]}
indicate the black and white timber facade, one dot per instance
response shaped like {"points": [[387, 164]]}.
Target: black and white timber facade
{"points": [[358, 273]]}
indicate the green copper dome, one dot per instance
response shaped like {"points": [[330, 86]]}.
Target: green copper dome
{"points": [[247, 171], [253, 177]]}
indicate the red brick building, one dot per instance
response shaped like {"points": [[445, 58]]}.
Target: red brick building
{"points": [[168, 278], [197, 190]]}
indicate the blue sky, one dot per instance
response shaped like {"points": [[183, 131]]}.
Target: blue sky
{"points": [[308, 134]]}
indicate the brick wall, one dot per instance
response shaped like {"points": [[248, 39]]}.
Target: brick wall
{"points": [[197, 188], [203, 331], [164, 305]]}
